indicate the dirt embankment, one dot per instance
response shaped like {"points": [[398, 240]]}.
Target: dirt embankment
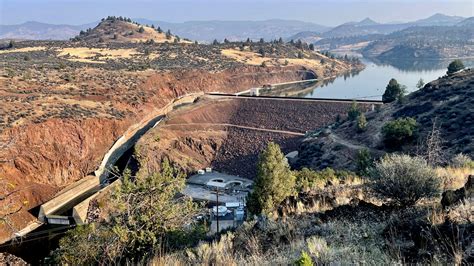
{"points": [[228, 134], [37, 159]]}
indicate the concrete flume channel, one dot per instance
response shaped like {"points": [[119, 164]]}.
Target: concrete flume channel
{"points": [[35, 241]]}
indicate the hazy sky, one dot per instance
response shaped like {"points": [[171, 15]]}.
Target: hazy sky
{"points": [[326, 12]]}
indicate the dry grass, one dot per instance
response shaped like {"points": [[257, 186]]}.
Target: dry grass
{"points": [[152, 34], [452, 177], [252, 58], [96, 55], [23, 50]]}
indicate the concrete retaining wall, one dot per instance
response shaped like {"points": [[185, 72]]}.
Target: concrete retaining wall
{"points": [[70, 197]]}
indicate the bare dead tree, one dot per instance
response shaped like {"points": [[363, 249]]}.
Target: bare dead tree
{"points": [[431, 148]]}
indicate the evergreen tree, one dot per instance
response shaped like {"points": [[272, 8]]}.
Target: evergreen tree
{"points": [[361, 122], [455, 66], [275, 181], [311, 47], [262, 40], [168, 35], [354, 111], [420, 83], [145, 212], [141, 29], [215, 42], [393, 91]]}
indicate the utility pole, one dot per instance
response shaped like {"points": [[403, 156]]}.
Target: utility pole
{"points": [[217, 208]]}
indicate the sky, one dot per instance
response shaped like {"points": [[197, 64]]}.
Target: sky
{"points": [[325, 12]]}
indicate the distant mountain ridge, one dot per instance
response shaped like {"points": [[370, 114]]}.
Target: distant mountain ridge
{"points": [[33, 30], [424, 42], [205, 31], [368, 26]]}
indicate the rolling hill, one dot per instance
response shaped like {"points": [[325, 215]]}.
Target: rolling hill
{"points": [[424, 42], [120, 29]]}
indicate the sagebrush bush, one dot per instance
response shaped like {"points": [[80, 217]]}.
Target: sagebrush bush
{"points": [[404, 180], [308, 179], [462, 160]]}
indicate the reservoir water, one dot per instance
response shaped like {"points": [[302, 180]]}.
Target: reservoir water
{"points": [[370, 83]]}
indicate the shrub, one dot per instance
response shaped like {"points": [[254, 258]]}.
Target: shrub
{"points": [[399, 131], [462, 161], [455, 66], [364, 162], [304, 260], [361, 123], [307, 179], [404, 180], [147, 213], [354, 111], [275, 181]]}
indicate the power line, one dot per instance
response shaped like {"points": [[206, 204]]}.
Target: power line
{"points": [[38, 235]]}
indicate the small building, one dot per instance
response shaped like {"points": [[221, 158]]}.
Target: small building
{"points": [[255, 92]]}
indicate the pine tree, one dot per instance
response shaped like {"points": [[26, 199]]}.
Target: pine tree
{"points": [[393, 91], [168, 35], [275, 181], [145, 210], [420, 83], [354, 111], [455, 66], [361, 122]]}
